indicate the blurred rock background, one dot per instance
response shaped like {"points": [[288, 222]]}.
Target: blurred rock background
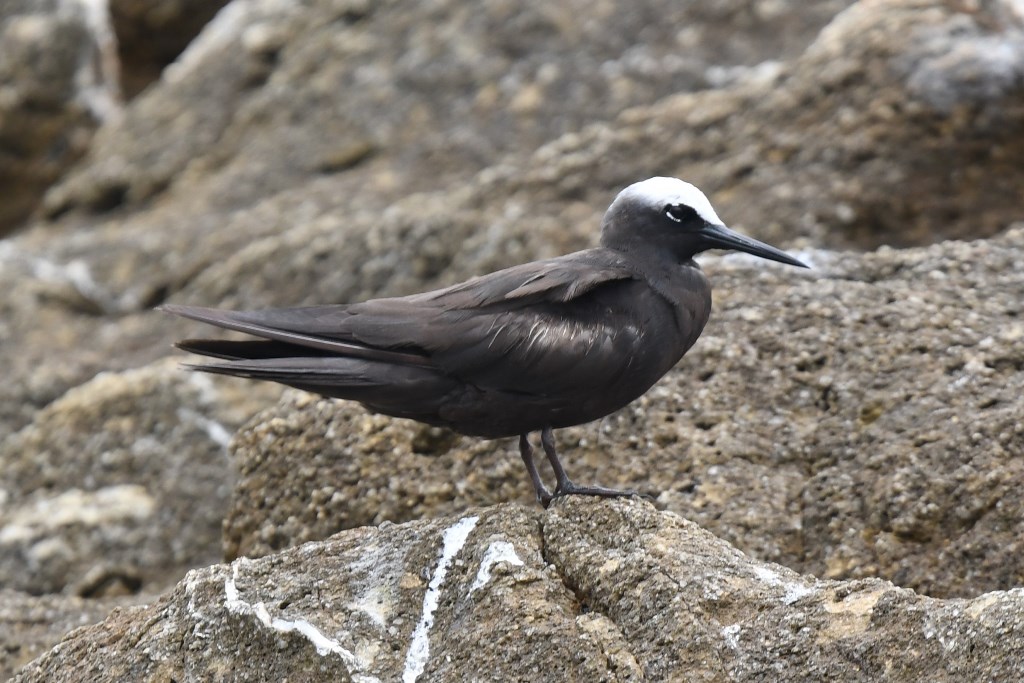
{"points": [[859, 420]]}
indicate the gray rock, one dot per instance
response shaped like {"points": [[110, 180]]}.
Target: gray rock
{"points": [[859, 419], [57, 82], [274, 94], [592, 590], [790, 157], [899, 125], [119, 486], [152, 33], [32, 624]]}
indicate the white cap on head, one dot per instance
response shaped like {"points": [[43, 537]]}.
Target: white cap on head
{"points": [[660, 191]]}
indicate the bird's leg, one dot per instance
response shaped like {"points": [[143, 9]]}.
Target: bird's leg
{"points": [[564, 485], [526, 451]]}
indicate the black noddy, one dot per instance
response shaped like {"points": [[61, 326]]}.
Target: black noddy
{"points": [[535, 347]]}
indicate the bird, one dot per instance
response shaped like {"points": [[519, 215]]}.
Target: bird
{"points": [[531, 348]]}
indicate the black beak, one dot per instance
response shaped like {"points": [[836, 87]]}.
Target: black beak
{"points": [[720, 237]]}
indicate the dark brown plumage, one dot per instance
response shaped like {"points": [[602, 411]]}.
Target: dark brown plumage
{"points": [[535, 347]]}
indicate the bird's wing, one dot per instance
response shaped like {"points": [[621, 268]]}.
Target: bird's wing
{"points": [[536, 328], [554, 280], [520, 328]]}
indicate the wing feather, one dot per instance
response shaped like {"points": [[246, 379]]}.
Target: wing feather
{"points": [[531, 328]]}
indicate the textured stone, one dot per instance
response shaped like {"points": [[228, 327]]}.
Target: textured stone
{"points": [[152, 33], [858, 419], [57, 82], [32, 624], [273, 94], [119, 486], [589, 590]]}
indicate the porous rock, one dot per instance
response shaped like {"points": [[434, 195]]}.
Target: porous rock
{"points": [[119, 486], [31, 624], [273, 94], [57, 83], [589, 590], [900, 124]]}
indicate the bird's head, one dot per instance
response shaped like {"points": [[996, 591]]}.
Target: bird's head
{"points": [[667, 215]]}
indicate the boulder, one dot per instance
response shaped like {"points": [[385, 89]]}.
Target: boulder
{"points": [[152, 33], [58, 81], [31, 624], [857, 419], [589, 590], [272, 95], [119, 486]]}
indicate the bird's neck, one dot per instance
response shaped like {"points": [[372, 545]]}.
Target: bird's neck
{"points": [[672, 276]]}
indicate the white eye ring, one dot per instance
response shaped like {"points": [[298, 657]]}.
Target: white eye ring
{"points": [[677, 212]]}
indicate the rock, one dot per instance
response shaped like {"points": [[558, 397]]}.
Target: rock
{"points": [[32, 624], [748, 145], [593, 590], [151, 34], [57, 83], [859, 419], [899, 125], [117, 487], [272, 95]]}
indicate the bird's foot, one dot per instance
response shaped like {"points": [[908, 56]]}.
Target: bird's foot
{"points": [[569, 488]]}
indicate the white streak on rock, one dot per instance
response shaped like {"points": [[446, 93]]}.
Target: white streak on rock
{"points": [[454, 538], [217, 33], [732, 636], [794, 590], [499, 551], [97, 79], [324, 645], [227, 28], [217, 432]]}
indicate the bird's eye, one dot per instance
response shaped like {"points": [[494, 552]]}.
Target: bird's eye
{"points": [[680, 212]]}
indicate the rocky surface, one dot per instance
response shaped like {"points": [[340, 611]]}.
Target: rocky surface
{"points": [[591, 590], [274, 94], [152, 33], [859, 419], [57, 83], [31, 624], [119, 486]]}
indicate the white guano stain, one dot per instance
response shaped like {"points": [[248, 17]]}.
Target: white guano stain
{"points": [[324, 646], [217, 432], [498, 551], [731, 634], [452, 541], [793, 590], [97, 75]]}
